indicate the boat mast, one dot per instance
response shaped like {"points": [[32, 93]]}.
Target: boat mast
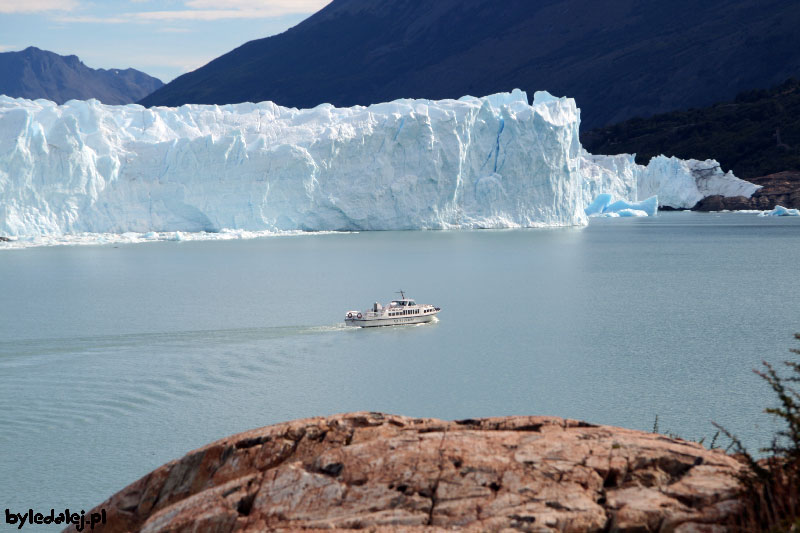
{"points": [[402, 296]]}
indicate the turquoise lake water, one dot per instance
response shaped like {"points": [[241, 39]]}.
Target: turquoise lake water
{"points": [[117, 359]]}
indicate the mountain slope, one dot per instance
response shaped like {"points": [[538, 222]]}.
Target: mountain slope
{"points": [[33, 73], [756, 134], [624, 59]]}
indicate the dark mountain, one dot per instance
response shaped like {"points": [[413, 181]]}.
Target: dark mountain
{"points": [[756, 134], [34, 73], [618, 59]]}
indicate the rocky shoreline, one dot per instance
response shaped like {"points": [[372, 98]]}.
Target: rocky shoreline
{"points": [[392, 473], [782, 188]]}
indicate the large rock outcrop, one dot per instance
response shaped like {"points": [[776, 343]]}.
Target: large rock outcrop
{"points": [[392, 473]]}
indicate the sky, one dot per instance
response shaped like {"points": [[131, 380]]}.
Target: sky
{"points": [[162, 38]]}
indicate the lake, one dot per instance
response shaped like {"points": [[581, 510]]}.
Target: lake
{"points": [[117, 359]]}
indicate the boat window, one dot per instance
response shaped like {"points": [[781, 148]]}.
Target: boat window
{"points": [[411, 302]]}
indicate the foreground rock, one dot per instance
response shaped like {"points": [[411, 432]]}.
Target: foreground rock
{"points": [[393, 473], [782, 188]]}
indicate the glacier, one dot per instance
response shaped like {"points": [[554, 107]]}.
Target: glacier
{"points": [[678, 183], [128, 172], [485, 162], [682, 183]]}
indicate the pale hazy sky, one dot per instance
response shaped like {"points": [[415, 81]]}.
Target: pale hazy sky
{"points": [[162, 38]]}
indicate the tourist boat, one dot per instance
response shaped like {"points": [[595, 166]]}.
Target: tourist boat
{"points": [[396, 313]]}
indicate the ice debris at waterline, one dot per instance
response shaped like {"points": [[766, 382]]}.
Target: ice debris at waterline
{"points": [[605, 206], [781, 211], [492, 162], [130, 237]]}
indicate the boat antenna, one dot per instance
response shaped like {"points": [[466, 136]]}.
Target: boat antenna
{"points": [[402, 296]]}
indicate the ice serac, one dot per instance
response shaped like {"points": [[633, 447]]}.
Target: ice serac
{"points": [[677, 183], [682, 183], [613, 175], [489, 162]]}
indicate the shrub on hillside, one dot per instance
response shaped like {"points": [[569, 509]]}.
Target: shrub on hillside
{"points": [[771, 499]]}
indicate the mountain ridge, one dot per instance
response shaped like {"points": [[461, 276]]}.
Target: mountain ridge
{"points": [[33, 73], [628, 59], [755, 134]]}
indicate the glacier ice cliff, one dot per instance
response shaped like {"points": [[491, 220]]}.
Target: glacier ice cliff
{"points": [[491, 162], [682, 183], [409, 164], [677, 183]]}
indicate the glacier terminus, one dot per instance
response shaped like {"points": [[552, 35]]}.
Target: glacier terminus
{"points": [[492, 162]]}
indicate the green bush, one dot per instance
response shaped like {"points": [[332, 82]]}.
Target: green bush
{"points": [[771, 498]]}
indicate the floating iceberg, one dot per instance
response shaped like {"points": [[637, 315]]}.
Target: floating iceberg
{"points": [[605, 206], [489, 162], [632, 213], [781, 211]]}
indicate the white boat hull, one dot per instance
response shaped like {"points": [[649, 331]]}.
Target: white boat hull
{"points": [[389, 321]]}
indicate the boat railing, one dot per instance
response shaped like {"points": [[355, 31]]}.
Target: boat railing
{"points": [[386, 310]]}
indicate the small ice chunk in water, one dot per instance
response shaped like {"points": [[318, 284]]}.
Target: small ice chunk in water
{"points": [[649, 206], [781, 211], [598, 205], [631, 213], [602, 206]]}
